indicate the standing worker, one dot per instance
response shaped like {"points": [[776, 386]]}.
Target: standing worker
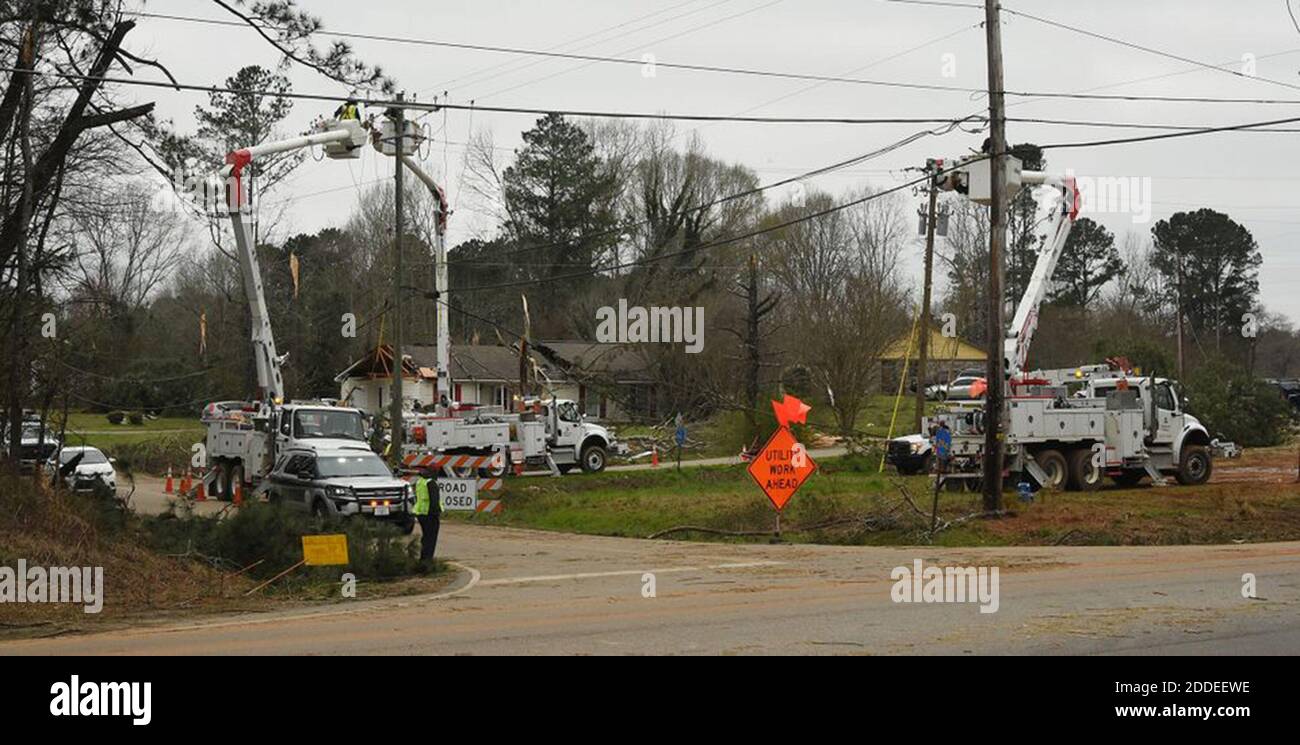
{"points": [[428, 512]]}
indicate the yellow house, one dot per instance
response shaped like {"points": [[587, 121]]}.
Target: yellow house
{"points": [[947, 356]]}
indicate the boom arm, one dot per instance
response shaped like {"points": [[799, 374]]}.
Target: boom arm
{"points": [[1015, 351], [340, 138], [440, 273]]}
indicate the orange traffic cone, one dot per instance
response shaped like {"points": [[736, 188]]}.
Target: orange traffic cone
{"points": [[170, 488], [186, 483], [654, 458], [239, 494], [201, 494]]}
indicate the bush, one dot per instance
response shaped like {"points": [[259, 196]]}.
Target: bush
{"points": [[153, 455], [136, 418], [273, 534], [1228, 401], [115, 417]]}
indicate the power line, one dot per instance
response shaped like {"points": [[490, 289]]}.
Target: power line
{"points": [[721, 69], [1147, 49], [739, 195], [1170, 135], [433, 107], [702, 247], [507, 63], [670, 37]]}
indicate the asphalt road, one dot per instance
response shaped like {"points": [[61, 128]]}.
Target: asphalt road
{"points": [[530, 592]]}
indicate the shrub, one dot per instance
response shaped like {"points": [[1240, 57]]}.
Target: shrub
{"points": [[136, 418], [153, 455], [1230, 402], [115, 417], [273, 533]]}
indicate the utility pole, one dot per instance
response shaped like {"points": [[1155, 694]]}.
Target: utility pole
{"points": [[398, 115], [1178, 322], [993, 401], [924, 353]]}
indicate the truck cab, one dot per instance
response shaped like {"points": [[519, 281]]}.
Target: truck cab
{"points": [[243, 439], [1177, 441], [572, 440]]}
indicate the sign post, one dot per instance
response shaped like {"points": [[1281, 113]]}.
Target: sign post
{"points": [[680, 438], [783, 465]]}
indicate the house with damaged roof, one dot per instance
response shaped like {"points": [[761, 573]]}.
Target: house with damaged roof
{"points": [[609, 381]]}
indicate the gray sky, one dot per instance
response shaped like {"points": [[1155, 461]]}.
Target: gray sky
{"points": [[1245, 175]]}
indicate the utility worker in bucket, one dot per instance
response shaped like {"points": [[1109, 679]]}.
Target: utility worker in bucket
{"points": [[348, 110], [428, 512]]}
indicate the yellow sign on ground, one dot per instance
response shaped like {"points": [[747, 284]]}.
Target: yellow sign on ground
{"points": [[324, 550]]}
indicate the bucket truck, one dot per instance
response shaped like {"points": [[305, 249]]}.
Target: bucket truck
{"points": [[244, 438], [1069, 428], [486, 441]]}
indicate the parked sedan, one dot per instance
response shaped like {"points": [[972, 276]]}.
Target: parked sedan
{"points": [[965, 388], [83, 469]]}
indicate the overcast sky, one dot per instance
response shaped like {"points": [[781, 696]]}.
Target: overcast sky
{"points": [[1247, 175]]}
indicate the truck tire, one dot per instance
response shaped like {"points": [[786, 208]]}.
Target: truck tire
{"points": [[221, 482], [1194, 465], [1055, 467], [1084, 474], [593, 459], [236, 479], [498, 471]]}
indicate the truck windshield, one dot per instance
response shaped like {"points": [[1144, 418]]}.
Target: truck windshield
{"points": [[364, 464], [322, 423]]}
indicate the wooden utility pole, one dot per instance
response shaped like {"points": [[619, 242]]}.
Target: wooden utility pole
{"points": [[993, 401], [922, 359], [1178, 322], [399, 129]]}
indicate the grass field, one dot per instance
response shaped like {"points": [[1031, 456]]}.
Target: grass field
{"points": [[848, 490], [94, 429], [723, 435]]}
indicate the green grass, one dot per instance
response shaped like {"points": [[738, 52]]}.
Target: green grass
{"points": [[641, 503], [85, 428]]}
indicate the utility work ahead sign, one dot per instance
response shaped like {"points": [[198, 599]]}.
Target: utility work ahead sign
{"points": [[783, 464]]}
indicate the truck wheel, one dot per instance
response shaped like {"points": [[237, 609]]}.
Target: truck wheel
{"points": [[221, 483], [236, 479], [593, 459], [1055, 467], [1194, 466], [1084, 474], [499, 470]]}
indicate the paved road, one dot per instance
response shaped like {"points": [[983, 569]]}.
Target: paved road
{"points": [[534, 592]]}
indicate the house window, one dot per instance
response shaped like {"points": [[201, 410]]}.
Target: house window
{"points": [[502, 396], [456, 393], [594, 403]]}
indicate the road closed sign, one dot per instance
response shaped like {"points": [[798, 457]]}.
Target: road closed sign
{"points": [[781, 467], [458, 494]]}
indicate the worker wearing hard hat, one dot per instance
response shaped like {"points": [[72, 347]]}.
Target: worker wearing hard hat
{"points": [[428, 512]]}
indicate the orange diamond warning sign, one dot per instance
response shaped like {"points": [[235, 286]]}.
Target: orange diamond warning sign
{"points": [[781, 467]]}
